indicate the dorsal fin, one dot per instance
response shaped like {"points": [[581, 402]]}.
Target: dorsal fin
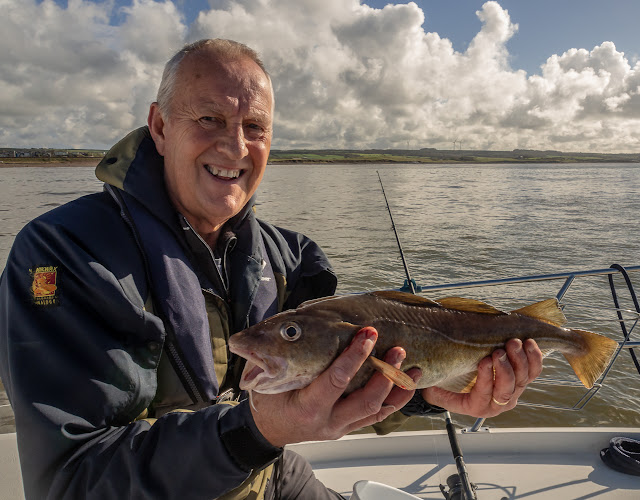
{"points": [[469, 305], [405, 298], [314, 301], [546, 310]]}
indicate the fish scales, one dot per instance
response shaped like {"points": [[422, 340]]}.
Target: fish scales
{"points": [[445, 339]]}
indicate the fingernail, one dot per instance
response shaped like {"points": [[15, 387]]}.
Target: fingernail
{"points": [[399, 357], [503, 358], [368, 337], [519, 348], [367, 333]]}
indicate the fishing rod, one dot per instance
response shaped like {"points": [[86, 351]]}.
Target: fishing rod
{"points": [[409, 282], [460, 488]]}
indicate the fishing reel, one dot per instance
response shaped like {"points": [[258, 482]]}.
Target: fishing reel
{"points": [[457, 490]]}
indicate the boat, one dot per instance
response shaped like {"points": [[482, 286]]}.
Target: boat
{"points": [[479, 461]]}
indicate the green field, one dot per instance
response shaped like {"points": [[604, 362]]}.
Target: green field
{"points": [[428, 155], [441, 156]]}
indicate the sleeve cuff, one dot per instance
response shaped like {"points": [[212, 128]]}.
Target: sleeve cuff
{"points": [[243, 441], [417, 406]]}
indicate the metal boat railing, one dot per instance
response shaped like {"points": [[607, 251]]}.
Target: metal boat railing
{"points": [[567, 279], [627, 326]]}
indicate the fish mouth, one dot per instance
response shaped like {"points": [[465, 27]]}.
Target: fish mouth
{"points": [[262, 373]]}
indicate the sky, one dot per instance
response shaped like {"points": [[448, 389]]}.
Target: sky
{"points": [[353, 74]]}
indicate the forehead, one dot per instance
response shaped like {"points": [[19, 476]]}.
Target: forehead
{"points": [[208, 79]]}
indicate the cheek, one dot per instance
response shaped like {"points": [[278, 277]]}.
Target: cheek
{"points": [[187, 142], [259, 157]]}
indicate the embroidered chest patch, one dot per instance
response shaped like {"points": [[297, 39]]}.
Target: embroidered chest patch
{"points": [[45, 285]]}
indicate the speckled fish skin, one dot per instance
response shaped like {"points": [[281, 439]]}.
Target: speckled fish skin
{"points": [[446, 339]]}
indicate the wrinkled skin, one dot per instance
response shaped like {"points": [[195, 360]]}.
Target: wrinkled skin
{"points": [[220, 120]]}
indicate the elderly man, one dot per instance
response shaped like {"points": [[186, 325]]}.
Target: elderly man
{"points": [[118, 370]]}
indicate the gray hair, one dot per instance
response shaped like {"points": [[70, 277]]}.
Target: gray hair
{"points": [[225, 49]]}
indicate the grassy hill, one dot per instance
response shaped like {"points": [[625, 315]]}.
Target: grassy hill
{"points": [[430, 155]]}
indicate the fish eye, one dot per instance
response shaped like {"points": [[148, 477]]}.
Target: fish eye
{"points": [[290, 331]]}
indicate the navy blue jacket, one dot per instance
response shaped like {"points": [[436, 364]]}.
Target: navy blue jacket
{"points": [[96, 295]]}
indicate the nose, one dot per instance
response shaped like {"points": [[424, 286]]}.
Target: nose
{"points": [[232, 143]]}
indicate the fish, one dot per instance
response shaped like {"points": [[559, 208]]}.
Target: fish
{"points": [[445, 338]]}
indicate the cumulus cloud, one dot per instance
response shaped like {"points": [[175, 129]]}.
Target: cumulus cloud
{"points": [[346, 75]]}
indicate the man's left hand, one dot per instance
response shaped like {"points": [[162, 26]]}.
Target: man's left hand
{"points": [[515, 367]]}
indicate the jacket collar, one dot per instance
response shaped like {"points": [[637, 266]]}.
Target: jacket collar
{"points": [[135, 166]]}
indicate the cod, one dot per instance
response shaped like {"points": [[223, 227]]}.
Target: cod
{"points": [[446, 339]]}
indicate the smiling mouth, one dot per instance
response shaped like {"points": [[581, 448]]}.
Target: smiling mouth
{"points": [[223, 173]]}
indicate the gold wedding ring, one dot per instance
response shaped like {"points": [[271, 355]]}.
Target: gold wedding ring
{"points": [[499, 403]]}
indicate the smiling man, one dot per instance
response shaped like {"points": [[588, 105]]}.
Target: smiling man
{"points": [[214, 131], [121, 381]]}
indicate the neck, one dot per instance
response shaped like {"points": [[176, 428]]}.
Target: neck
{"points": [[208, 234]]}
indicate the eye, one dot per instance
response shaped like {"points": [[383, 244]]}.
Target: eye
{"points": [[290, 331], [254, 131], [211, 121]]}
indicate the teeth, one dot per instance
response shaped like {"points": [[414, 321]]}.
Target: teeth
{"points": [[221, 172]]}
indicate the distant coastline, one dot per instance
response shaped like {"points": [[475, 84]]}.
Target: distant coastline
{"points": [[431, 155], [49, 162], [372, 156]]}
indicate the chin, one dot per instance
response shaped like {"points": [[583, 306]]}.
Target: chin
{"points": [[226, 209]]}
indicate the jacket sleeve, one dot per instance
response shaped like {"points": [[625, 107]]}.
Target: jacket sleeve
{"points": [[79, 368]]}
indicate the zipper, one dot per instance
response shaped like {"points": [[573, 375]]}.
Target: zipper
{"points": [[183, 372], [234, 390], [223, 280]]}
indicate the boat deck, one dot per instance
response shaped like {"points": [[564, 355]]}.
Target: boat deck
{"points": [[550, 463], [541, 463]]}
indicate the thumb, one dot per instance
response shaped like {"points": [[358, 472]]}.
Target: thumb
{"points": [[441, 397]]}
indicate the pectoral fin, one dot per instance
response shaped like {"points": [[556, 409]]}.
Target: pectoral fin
{"points": [[398, 377], [463, 383]]}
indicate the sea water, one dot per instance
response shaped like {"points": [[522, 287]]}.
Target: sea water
{"points": [[456, 223]]}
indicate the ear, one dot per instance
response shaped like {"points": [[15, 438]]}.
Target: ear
{"points": [[156, 127]]}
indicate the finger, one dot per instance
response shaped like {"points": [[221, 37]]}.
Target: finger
{"points": [[379, 383], [326, 390], [519, 363], [335, 379], [369, 400], [483, 389], [535, 357], [474, 403], [505, 379], [399, 397]]}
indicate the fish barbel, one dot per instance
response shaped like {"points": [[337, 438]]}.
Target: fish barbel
{"points": [[446, 339]]}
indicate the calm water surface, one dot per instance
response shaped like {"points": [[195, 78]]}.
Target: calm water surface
{"points": [[456, 223]]}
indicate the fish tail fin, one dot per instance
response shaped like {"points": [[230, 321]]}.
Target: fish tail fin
{"points": [[590, 362]]}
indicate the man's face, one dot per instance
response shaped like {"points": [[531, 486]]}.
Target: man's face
{"points": [[216, 139]]}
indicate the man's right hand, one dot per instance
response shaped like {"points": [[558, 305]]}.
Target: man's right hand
{"points": [[318, 412]]}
